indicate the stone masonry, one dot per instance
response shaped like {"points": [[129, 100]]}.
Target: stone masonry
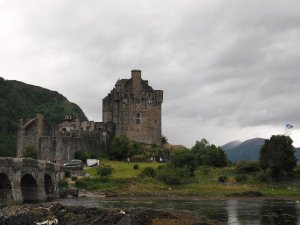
{"points": [[135, 108], [132, 108]]}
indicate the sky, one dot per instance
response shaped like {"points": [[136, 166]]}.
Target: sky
{"points": [[229, 69]]}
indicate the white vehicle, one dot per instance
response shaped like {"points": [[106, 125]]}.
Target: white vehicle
{"points": [[92, 162]]}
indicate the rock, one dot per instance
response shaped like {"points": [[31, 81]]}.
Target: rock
{"points": [[78, 215]]}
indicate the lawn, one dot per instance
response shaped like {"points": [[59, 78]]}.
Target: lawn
{"points": [[125, 180]]}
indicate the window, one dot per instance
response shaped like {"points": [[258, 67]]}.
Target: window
{"points": [[138, 118]]}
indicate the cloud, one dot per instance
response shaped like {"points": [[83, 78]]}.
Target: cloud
{"points": [[226, 64]]}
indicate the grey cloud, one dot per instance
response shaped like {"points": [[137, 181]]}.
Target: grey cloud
{"points": [[225, 63]]}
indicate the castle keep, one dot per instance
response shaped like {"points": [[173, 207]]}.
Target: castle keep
{"points": [[135, 108], [132, 108]]}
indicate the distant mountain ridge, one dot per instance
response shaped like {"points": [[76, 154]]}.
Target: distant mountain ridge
{"points": [[248, 150], [231, 145], [21, 100]]}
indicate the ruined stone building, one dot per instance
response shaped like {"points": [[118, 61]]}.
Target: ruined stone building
{"points": [[60, 143], [132, 108]]}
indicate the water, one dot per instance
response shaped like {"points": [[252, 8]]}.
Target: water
{"points": [[233, 212]]}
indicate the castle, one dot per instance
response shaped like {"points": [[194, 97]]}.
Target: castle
{"points": [[132, 108]]}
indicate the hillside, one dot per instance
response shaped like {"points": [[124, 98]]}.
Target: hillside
{"points": [[247, 150], [20, 100], [230, 145]]}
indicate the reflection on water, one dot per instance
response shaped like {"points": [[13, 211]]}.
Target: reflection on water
{"points": [[235, 212]]}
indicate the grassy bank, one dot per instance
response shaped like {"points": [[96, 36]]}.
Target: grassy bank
{"points": [[206, 183]]}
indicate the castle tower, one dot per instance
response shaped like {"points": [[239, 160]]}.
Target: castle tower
{"points": [[135, 108]]}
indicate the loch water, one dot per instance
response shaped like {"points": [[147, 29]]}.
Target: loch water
{"points": [[233, 212]]}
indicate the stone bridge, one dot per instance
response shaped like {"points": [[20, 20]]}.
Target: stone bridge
{"points": [[24, 180]]}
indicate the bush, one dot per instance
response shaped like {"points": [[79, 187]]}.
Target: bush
{"points": [[29, 152], [263, 177], [104, 171], [74, 178], [247, 166], [148, 172], [81, 155], [63, 183], [67, 173], [171, 176], [222, 179], [205, 170], [241, 178], [136, 166]]}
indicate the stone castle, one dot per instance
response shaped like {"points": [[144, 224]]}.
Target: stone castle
{"points": [[132, 108]]}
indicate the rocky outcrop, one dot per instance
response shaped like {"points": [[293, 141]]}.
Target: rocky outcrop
{"points": [[77, 215]]}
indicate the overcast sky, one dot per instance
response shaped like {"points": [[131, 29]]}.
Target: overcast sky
{"points": [[230, 69]]}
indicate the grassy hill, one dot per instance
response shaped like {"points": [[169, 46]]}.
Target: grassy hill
{"points": [[20, 100]]}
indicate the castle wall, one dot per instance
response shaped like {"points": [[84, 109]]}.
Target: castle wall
{"points": [[30, 133]]}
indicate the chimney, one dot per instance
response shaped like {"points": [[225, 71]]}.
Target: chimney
{"points": [[136, 76]]}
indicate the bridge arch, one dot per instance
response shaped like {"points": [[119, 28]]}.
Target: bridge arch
{"points": [[5, 188], [48, 184], [29, 188]]}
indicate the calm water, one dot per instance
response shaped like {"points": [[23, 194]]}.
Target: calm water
{"points": [[235, 212]]}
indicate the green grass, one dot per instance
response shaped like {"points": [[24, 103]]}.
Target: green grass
{"points": [[122, 169], [126, 180]]}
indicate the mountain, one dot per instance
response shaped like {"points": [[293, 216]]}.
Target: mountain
{"points": [[230, 145], [20, 100], [247, 150]]}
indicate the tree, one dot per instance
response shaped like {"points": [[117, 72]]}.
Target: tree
{"points": [[121, 147], [210, 155], [164, 140], [184, 158], [277, 155], [81, 155]]}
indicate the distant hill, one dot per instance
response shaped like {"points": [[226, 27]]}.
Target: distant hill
{"points": [[231, 145], [247, 150], [20, 100]]}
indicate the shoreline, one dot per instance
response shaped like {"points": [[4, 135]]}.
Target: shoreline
{"points": [[171, 197]]}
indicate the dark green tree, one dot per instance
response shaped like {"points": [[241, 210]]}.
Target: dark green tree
{"points": [[121, 147], [277, 156], [82, 155], [184, 158], [210, 155], [164, 140]]}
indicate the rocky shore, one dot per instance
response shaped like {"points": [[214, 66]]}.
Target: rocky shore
{"points": [[56, 213]]}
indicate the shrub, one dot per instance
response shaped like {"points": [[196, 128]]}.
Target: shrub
{"points": [[136, 166], [241, 178], [247, 166], [148, 172], [104, 171], [263, 177], [81, 155], [29, 152], [63, 183], [74, 178], [171, 176], [205, 170], [67, 173], [222, 179]]}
